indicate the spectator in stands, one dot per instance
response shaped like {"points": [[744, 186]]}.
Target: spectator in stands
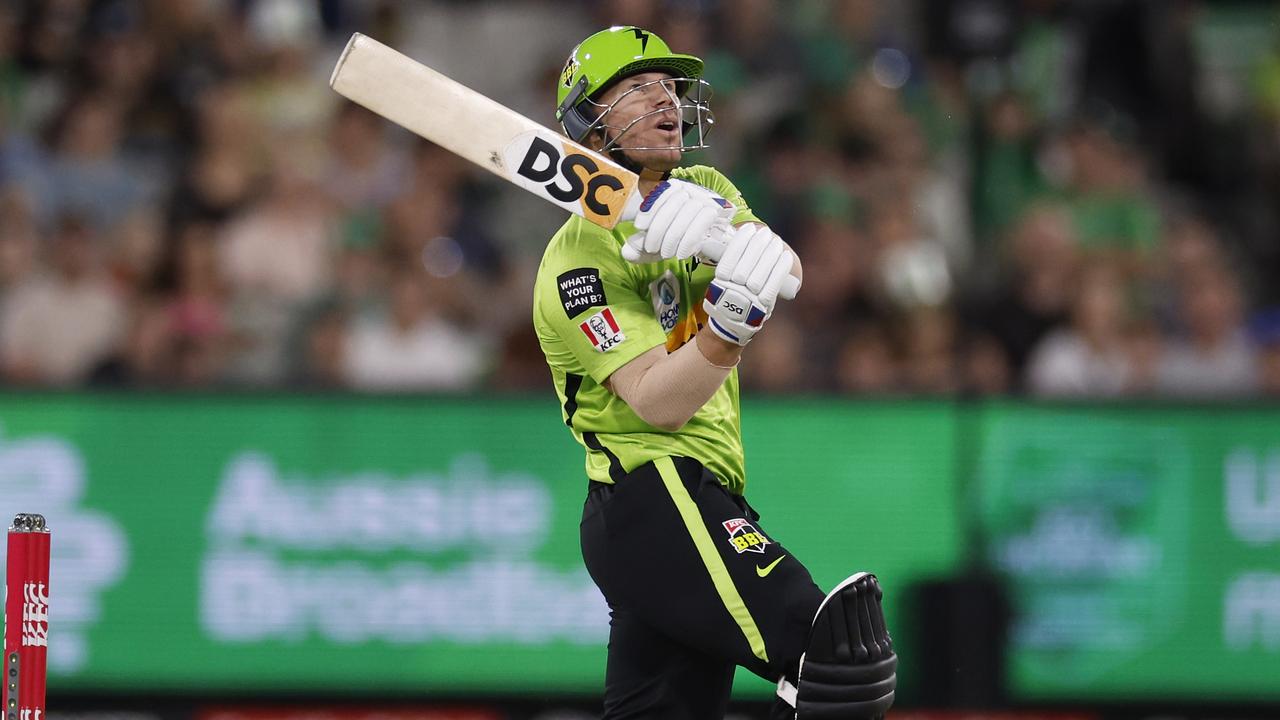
{"points": [[838, 43], [910, 265], [120, 59], [1188, 244], [937, 200], [1266, 335], [18, 243], [223, 171], [9, 76], [284, 96], [929, 351], [784, 177], [147, 355], [324, 361], [1007, 174], [364, 170], [1213, 355], [277, 257], [1088, 358], [865, 364], [836, 295], [135, 249], [17, 153], [318, 340], [440, 201], [779, 364], [985, 366], [1035, 294], [59, 326], [361, 274], [88, 172], [413, 345], [1107, 191], [1145, 346], [283, 247], [1269, 370], [198, 307]]}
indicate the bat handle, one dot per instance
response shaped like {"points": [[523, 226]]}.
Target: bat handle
{"points": [[790, 284]]}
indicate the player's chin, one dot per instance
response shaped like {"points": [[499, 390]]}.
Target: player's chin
{"points": [[658, 158]]}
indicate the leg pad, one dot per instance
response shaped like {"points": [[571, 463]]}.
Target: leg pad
{"points": [[849, 669]]}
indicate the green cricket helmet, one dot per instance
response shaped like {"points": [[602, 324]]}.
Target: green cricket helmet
{"points": [[618, 52]]}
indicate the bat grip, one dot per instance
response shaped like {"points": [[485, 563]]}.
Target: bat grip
{"points": [[790, 284]]}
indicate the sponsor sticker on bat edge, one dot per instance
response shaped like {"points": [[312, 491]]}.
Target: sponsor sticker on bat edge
{"points": [[603, 331], [556, 169]]}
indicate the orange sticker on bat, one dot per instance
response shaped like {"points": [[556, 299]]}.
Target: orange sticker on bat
{"points": [[577, 181]]}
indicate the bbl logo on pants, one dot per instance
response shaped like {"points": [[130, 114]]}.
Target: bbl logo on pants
{"points": [[744, 537]]}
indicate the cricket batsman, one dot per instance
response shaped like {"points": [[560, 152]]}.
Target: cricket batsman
{"points": [[643, 335]]}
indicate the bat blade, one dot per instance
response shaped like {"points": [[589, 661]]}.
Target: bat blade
{"points": [[484, 131]]}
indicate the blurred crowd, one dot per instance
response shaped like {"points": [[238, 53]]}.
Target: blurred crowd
{"points": [[1057, 198]]}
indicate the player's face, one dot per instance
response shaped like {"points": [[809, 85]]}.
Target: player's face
{"points": [[645, 103]]}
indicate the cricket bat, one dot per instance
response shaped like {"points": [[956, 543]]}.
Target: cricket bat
{"points": [[493, 136]]}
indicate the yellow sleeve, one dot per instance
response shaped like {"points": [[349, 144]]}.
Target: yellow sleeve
{"points": [[589, 300]]}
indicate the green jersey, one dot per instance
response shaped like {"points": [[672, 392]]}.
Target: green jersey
{"points": [[594, 312]]}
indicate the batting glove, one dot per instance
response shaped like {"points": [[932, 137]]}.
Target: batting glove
{"points": [[743, 294], [674, 221]]}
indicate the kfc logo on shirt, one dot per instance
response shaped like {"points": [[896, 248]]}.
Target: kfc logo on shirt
{"points": [[603, 331]]}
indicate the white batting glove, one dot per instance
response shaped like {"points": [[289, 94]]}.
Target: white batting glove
{"points": [[743, 294], [674, 221]]}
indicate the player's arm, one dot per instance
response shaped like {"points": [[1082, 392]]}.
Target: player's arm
{"points": [[599, 305], [667, 389]]}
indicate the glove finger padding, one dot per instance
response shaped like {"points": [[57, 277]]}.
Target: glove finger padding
{"points": [[763, 270], [755, 243], [684, 217], [676, 218], [663, 215], [772, 284], [633, 250], [750, 256], [733, 250], [694, 237]]}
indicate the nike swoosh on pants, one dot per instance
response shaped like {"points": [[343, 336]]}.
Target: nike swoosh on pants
{"points": [[762, 571]]}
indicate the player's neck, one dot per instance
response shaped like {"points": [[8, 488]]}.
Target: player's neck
{"points": [[649, 179]]}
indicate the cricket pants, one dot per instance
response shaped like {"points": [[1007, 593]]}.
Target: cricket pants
{"points": [[695, 586]]}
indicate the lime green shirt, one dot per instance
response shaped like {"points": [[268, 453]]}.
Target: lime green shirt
{"points": [[594, 312]]}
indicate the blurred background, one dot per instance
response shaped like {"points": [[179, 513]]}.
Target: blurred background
{"points": [[269, 369]]}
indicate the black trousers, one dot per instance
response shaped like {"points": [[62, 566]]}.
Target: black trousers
{"points": [[695, 586]]}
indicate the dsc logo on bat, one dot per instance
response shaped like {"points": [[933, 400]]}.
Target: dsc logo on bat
{"points": [[580, 183]]}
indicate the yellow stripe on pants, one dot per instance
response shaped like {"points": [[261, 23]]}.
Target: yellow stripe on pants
{"points": [[707, 549]]}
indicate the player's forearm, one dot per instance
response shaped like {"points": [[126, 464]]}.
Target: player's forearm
{"points": [[717, 351], [666, 390]]}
